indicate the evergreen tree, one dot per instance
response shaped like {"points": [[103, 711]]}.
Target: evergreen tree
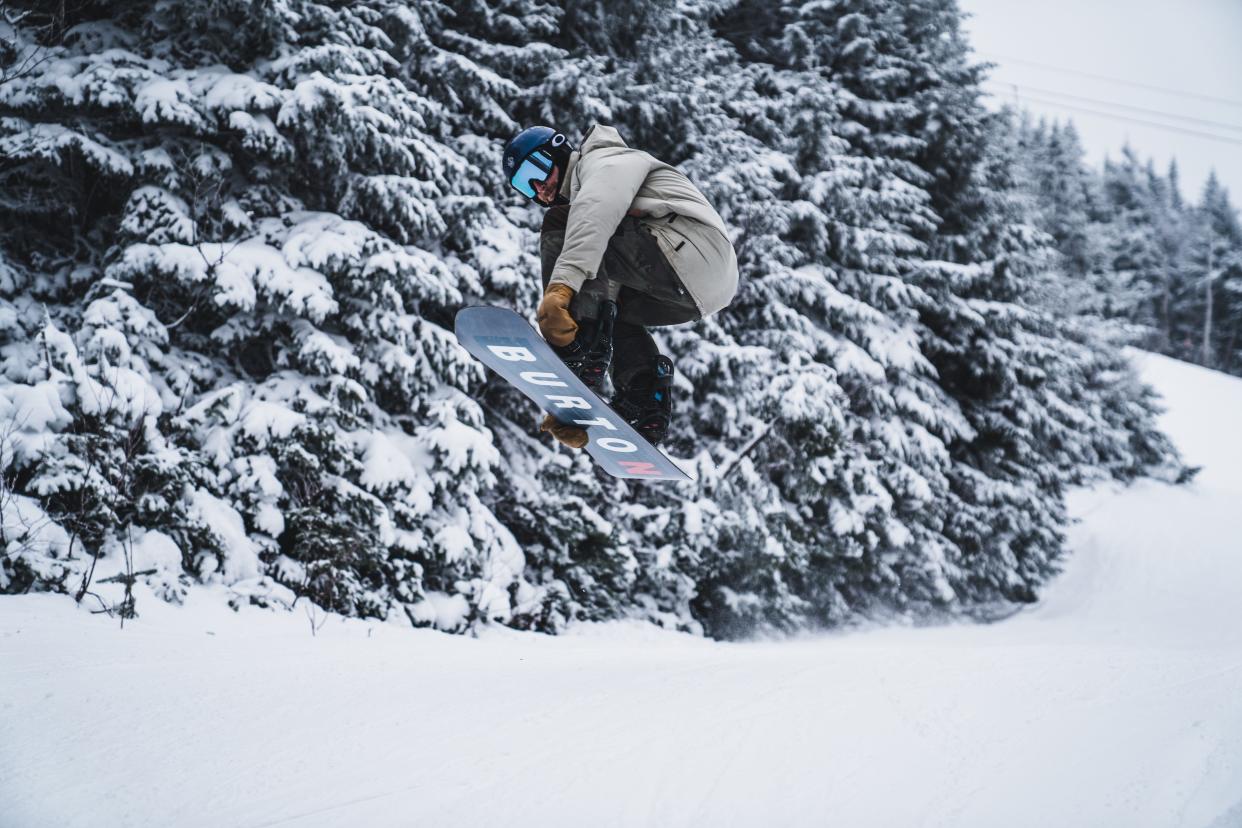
{"points": [[1131, 279], [233, 237], [274, 206], [1211, 313]]}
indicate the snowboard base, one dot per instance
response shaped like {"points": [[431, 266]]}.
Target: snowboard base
{"points": [[505, 342]]}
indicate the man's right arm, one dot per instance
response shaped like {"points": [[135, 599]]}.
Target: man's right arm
{"points": [[610, 181]]}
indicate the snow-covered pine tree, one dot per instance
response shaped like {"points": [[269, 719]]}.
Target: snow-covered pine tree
{"points": [[1210, 312], [280, 224], [854, 515], [1050, 403], [1131, 275], [1133, 253], [265, 193], [1069, 193], [1170, 229], [962, 294]]}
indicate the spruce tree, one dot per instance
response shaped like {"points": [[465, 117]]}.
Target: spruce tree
{"points": [[276, 205], [246, 227]]}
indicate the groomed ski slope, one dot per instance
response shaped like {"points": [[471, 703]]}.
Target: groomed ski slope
{"points": [[1117, 701]]}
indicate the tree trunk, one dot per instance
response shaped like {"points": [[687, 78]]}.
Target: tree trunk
{"points": [[1166, 325], [1207, 313], [1229, 350]]}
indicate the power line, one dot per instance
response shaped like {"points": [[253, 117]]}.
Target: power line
{"points": [[1166, 90], [1115, 117], [1159, 113]]}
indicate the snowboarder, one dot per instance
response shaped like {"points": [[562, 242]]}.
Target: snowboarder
{"points": [[627, 243]]}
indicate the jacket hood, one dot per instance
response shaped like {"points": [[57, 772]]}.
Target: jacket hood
{"points": [[597, 137], [601, 136]]}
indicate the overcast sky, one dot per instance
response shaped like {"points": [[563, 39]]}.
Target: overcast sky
{"points": [[1191, 46]]}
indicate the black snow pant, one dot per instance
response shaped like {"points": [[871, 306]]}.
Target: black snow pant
{"points": [[635, 274]]}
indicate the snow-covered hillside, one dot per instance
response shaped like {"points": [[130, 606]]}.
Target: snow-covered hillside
{"points": [[1117, 701]]}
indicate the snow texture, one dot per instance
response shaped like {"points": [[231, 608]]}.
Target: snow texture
{"points": [[1113, 702]]}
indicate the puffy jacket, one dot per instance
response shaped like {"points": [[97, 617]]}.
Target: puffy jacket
{"points": [[606, 180]]}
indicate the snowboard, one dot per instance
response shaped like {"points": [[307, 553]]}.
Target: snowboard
{"points": [[505, 342]]}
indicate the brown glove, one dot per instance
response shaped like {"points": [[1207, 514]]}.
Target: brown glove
{"points": [[555, 323], [571, 436]]}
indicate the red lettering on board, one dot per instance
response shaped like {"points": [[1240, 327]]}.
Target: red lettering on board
{"points": [[635, 467]]}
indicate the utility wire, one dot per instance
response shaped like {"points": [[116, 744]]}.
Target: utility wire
{"points": [[1166, 90], [1158, 113], [1115, 117]]}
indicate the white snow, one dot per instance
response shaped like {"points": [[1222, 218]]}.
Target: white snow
{"points": [[155, 550], [446, 611], [265, 420], [1116, 701], [29, 413], [231, 92], [384, 464], [50, 142], [243, 271], [26, 531], [223, 521], [168, 101]]}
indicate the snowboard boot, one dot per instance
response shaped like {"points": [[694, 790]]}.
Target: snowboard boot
{"points": [[645, 400], [590, 354]]}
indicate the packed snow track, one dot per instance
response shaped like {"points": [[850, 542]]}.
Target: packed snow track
{"points": [[1116, 701]]}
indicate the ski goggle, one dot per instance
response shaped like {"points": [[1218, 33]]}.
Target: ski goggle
{"points": [[535, 167]]}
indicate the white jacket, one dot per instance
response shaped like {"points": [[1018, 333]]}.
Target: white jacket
{"points": [[606, 180]]}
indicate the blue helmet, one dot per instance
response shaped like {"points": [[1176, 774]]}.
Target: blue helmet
{"points": [[532, 154]]}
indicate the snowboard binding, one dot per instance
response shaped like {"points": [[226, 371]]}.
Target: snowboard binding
{"points": [[646, 401], [590, 354]]}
